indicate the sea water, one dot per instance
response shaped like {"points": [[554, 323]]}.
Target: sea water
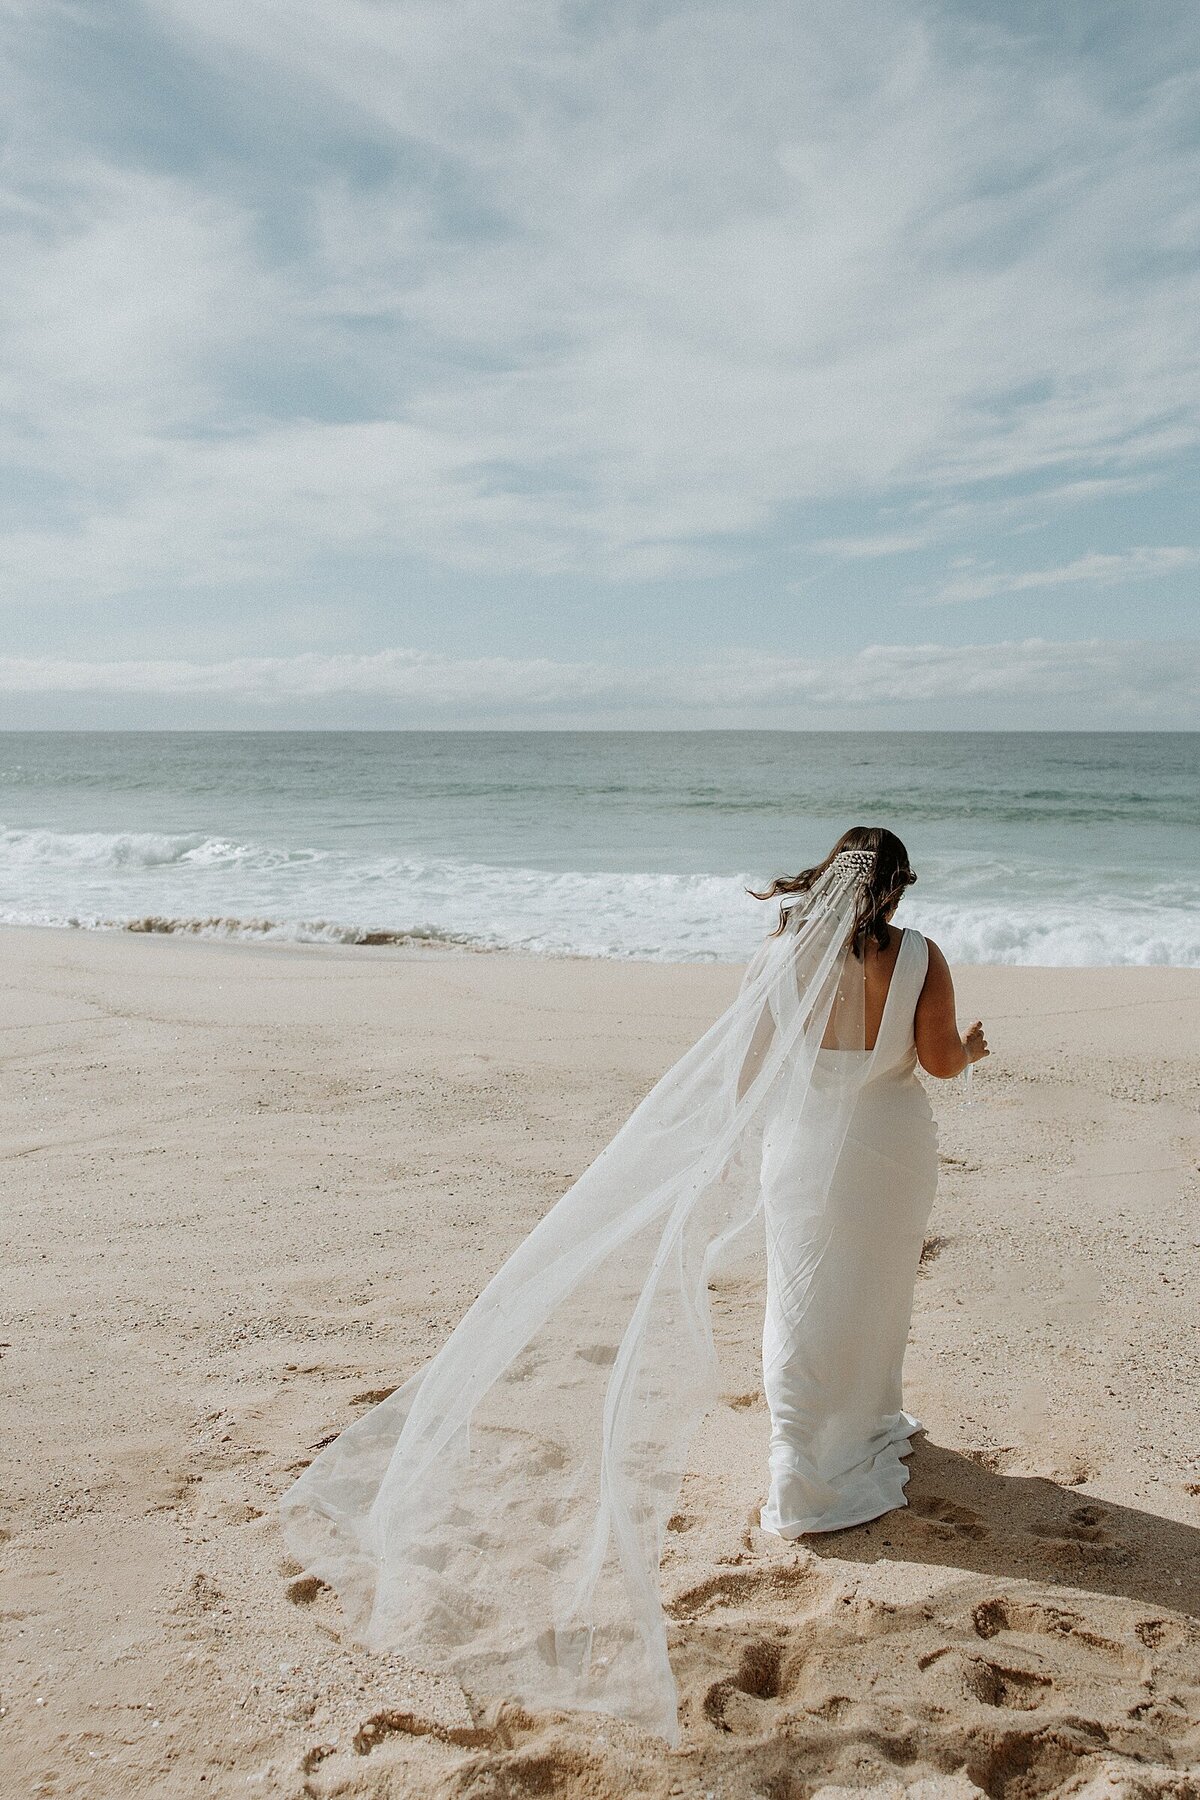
{"points": [[1029, 847]]}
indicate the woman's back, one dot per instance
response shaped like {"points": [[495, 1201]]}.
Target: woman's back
{"points": [[891, 981], [879, 966]]}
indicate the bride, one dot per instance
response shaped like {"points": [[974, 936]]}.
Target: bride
{"points": [[501, 1515]]}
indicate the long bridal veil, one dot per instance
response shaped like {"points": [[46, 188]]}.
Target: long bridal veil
{"points": [[501, 1515]]}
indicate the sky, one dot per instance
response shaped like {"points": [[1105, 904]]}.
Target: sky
{"points": [[410, 363]]}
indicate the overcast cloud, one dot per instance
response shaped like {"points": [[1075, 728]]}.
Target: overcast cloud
{"points": [[570, 360]]}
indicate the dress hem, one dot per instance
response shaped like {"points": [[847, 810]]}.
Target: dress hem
{"points": [[845, 1518]]}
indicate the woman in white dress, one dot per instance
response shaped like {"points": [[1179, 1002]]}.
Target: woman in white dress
{"points": [[501, 1515], [833, 1342]]}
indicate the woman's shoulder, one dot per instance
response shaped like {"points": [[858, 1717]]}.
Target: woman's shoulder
{"points": [[921, 947], [908, 934], [937, 969]]}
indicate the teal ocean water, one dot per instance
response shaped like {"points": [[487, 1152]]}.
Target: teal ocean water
{"points": [[1030, 848]]}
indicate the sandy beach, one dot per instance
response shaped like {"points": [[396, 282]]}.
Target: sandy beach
{"points": [[248, 1189]]}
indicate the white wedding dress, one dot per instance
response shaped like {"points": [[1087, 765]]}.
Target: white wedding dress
{"points": [[502, 1514], [839, 1300]]}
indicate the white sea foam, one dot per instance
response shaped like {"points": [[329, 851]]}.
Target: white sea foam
{"points": [[1054, 935], [206, 884], [137, 850]]}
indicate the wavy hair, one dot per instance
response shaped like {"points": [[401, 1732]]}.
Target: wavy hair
{"points": [[891, 873]]}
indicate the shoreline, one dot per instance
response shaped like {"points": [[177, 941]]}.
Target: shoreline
{"points": [[414, 947], [248, 1192]]}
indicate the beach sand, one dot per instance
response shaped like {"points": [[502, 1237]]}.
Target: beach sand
{"points": [[248, 1189]]}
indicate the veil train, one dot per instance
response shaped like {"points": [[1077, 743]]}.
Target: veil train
{"points": [[501, 1515]]}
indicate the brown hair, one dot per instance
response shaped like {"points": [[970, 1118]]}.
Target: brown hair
{"points": [[890, 874]]}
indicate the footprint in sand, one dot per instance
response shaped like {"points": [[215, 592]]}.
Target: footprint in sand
{"points": [[1082, 1536], [1037, 1618], [771, 1582], [991, 1683], [315, 1756], [995, 1684], [1083, 1526], [1157, 1633], [994, 1616], [939, 1511], [304, 1590], [392, 1723], [734, 1704]]}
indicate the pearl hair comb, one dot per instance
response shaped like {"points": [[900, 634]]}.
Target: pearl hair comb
{"points": [[853, 862]]}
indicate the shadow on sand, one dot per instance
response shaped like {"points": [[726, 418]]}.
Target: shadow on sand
{"points": [[964, 1514]]}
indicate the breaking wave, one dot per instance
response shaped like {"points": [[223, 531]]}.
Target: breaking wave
{"points": [[140, 850], [209, 884]]}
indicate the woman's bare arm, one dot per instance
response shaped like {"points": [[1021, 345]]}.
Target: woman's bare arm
{"points": [[759, 1044], [941, 1050]]}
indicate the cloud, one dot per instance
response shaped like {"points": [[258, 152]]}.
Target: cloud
{"points": [[1144, 563], [529, 288], [1144, 680], [931, 521], [884, 543]]}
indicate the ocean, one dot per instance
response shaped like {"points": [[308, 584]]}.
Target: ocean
{"points": [[1034, 848]]}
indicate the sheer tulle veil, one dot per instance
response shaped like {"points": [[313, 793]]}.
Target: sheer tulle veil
{"points": [[501, 1515]]}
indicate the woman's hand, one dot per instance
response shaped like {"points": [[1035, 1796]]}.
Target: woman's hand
{"points": [[975, 1045]]}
